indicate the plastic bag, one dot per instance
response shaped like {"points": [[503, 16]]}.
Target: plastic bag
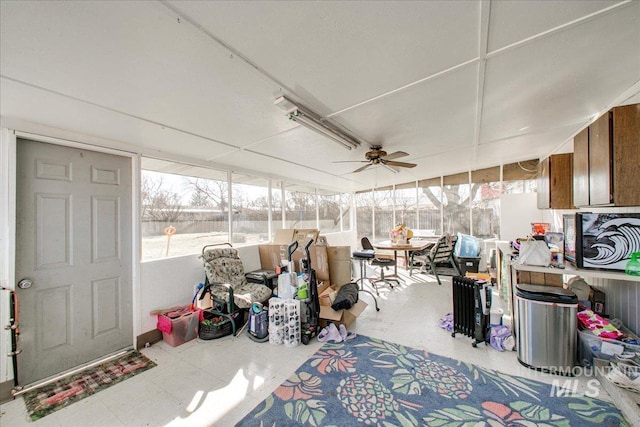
{"points": [[534, 252]]}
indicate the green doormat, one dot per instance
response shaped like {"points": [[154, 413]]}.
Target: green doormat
{"points": [[49, 398]]}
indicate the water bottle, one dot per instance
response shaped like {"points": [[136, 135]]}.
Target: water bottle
{"points": [[633, 266]]}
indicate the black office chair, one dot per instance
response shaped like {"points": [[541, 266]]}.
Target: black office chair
{"points": [[383, 263], [363, 257]]}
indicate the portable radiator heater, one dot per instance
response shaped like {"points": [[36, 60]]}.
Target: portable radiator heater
{"points": [[471, 308]]}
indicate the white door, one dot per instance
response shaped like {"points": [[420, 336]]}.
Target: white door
{"points": [[73, 243]]}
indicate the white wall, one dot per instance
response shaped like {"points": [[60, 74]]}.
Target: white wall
{"points": [[622, 299], [517, 212], [168, 282]]}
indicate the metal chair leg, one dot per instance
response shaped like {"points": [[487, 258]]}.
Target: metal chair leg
{"points": [[361, 280]]}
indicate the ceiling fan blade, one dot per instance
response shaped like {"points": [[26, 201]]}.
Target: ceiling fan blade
{"points": [[350, 161], [362, 168], [395, 155], [399, 164]]}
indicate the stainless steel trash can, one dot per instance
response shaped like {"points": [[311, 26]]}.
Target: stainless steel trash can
{"points": [[546, 325]]}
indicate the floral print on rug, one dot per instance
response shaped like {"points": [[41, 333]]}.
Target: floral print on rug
{"points": [[371, 382]]}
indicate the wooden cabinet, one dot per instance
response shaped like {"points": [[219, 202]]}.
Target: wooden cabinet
{"points": [[626, 155], [581, 168], [555, 182], [607, 158]]}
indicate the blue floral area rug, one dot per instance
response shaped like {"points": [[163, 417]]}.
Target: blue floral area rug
{"points": [[366, 381]]}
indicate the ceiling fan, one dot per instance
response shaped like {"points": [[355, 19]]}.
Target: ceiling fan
{"points": [[377, 156]]}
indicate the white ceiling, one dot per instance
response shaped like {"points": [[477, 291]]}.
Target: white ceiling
{"points": [[457, 85]]}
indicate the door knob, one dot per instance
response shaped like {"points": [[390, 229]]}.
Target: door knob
{"points": [[25, 283]]}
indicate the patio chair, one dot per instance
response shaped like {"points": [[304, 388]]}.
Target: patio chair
{"points": [[224, 274], [439, 259]]}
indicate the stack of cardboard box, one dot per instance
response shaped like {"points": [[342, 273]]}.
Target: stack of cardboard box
{"points": [[331, 263]]}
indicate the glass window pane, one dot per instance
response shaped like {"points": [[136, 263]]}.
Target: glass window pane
{"points": [[276, 207], [346, 211], [250, 210], [429, 208], [329, 212], [191, 199], [520, 186], [364, 214], [406, 207], [300, 208], [486, 210], [383, 208], [456, 208]]}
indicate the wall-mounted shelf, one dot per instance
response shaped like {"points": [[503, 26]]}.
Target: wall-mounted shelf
{"points": [[603, 274], [506, 249]]}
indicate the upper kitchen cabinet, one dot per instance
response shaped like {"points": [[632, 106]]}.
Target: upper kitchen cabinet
{"points": [[581, 168], [555, 182], [607, 160]]}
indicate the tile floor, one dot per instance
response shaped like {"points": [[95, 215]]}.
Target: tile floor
{"points": [[216, 383]]}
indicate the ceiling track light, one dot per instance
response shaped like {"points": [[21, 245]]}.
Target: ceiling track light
{"points": [[312, 122]]}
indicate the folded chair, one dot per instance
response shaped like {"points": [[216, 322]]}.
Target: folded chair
{"points": [[439, 259], [224, 274], [383, 263]]}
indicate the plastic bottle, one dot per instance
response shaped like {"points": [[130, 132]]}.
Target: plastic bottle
{"points": [[633, 266]]}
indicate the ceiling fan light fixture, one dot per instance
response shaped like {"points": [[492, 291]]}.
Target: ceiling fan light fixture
{"points": [[312, 122]]}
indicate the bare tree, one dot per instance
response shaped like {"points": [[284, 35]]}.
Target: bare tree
{"points": [[209, 192], [158, 203]]}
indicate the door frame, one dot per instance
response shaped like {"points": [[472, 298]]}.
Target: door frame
{"points": [[8, 146]]}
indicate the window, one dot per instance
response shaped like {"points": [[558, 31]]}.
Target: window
{"points": [[191, 200], [364, 214], [345, 202], [455, 202], [276, 207], [520, 177], [329, 212], [300, 206], [250, 209], [406, 206], [485, 203], [383, 213], [430, 206]]}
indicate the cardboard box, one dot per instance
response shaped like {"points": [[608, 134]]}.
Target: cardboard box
{"points": [[301, 235], [339, 265], [537, 278], [327, 295], [284, 236], [329, 315], [478, 276], [271, 255]]}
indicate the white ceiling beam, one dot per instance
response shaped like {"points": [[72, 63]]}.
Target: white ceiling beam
{"points": [[483, 42]]}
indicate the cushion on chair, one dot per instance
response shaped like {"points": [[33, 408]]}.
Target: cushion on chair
{"points": [[382, 261], [364, 253], [222, 265]]}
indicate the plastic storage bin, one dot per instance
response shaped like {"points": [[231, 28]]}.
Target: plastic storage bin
{"points": [[590, 346], [183, 328], [469, 264]]}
